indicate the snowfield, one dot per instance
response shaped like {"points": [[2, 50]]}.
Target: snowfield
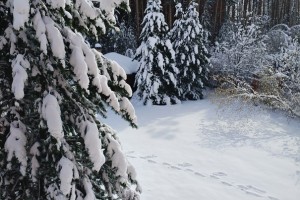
{"points": [[199, 151]]}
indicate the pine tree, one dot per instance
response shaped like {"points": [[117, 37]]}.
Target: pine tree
{"points": [[52, 85], [191, 55], [156, 77]]}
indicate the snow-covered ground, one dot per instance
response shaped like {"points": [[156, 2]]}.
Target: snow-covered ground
{"points": [[199, 151]]}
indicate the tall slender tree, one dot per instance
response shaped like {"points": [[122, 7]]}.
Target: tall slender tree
{"points": [[156, 77], [51, 86], [191, 55]]}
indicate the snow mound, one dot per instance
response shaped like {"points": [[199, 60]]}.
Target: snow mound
{"points": [[130, 66]]}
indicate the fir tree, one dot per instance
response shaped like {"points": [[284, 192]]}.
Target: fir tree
{"points": [[155, 79], [52, 84], [191, 55]]}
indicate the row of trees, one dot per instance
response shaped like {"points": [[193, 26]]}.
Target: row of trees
{"points": [[279, 11], [214, 13], [172, 63]]}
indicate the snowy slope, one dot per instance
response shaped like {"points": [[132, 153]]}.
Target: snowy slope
{"points": [[130, 66], [198, 151]]}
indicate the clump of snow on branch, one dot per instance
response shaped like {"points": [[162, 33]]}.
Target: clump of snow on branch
{"points": [[86, 8], [19, 66], [21, 13], [127, 87], [15, 145], [3, 42], [57, 3], [11, 36], [88, 187], [109, 7], [77, 59], [54, 193], [68, 171], [34, 162], [40, 29], [126, 106], [51, 113], [117, 70], [84, 61], [90, 134], [55, 38], [104, 88], [117, 156]]}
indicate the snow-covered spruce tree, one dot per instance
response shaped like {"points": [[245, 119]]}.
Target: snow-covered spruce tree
{"points": [[51, 86], [156, 78], [191, 55]]}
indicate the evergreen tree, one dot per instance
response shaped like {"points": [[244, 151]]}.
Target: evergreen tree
{"points": [[52, 84], [192, 60], [156, 77], [123, 39]]}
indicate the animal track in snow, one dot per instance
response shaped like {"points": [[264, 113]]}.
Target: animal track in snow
{"points": [[130, 152], [151, 161], [174, 167], [214, 177], [129, 156], [189, 170], [146, 157], [225, 183], [185, 165], [199, 174], [219, 174], [249, 189], [272, 198]]}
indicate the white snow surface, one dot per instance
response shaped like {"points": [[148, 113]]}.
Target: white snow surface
{"points": [[198, 150], [128, 64]]}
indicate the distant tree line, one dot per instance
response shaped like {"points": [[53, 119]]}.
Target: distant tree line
{"points": [[214, 13]]}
